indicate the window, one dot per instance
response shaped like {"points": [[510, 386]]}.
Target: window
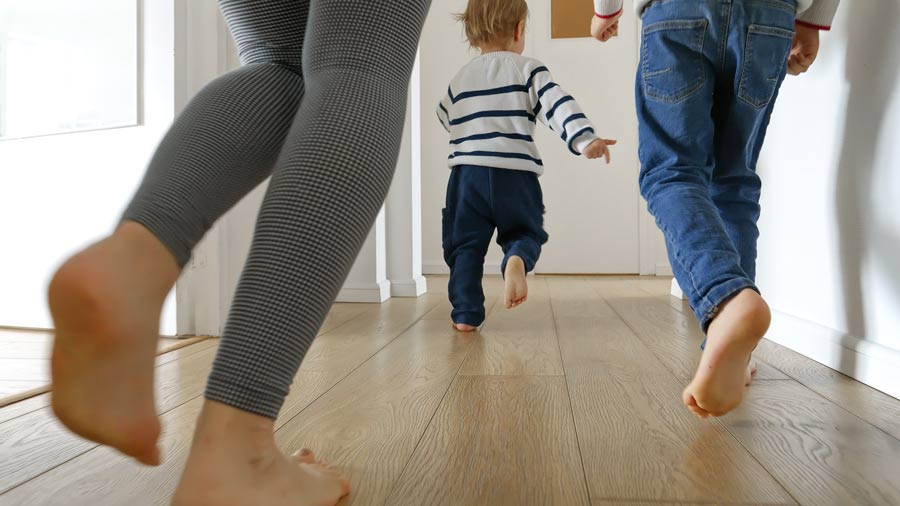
{"points": [[67, 66]]}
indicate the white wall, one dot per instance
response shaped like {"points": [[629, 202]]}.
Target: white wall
{"points": [[59, 193], [596, 220], [830, 245]]}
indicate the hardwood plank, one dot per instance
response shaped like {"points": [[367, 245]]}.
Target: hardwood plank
{"points": [[497, 440], [518, 341], [575, 297], [26, 406], [341, 313], [30, 404], [637, 439], [601, 502], [102, 476], [368, 424], [873, 406], [673, 336], [25, 369], [365, 336], [821, 453], [31, 348], [617, 288], [35, 442]]}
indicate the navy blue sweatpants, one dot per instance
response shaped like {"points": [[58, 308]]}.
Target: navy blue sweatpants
{"points": [[480, 199]]}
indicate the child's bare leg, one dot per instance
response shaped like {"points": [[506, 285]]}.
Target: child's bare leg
{"points": [[234, 461], [724, 370], [516, 288], [106, 303]]}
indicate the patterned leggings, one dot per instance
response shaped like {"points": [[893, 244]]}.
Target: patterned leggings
{"points": [[319, 106]]}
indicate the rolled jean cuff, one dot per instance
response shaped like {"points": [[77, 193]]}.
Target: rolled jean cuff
{"points": [[473, 318], [719, 295]]}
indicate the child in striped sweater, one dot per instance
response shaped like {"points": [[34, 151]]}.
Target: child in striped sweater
{"points": [[490, 111]]}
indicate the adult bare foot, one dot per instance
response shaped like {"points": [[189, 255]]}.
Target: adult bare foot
{"points": [[234, 461], [106, 303], [516, 288], [462, 327], [718, 385]]}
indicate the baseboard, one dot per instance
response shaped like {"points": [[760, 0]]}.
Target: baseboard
{"points": [[676, 291], [374, 292], [664, 269], [409, 287], [865, 361]]}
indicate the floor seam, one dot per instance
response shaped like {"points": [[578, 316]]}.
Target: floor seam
{"points": [[587, 486]]}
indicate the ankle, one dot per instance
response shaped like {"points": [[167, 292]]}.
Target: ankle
{"points": [[223, 427]]}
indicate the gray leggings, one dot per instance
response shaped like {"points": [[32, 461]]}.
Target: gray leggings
{"points": [[319, 105]]}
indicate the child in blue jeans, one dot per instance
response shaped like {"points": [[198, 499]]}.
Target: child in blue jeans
{"points": [[490, 110], [706, 85]]}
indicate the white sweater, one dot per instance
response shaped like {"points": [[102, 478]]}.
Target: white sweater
{"points": [[492, 105], [815, 13]]}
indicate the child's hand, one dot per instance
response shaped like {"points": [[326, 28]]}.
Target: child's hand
{"points": [[598, 148], [804, 49], [603, 29]]}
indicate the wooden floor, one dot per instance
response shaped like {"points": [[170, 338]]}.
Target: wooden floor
{"points": [[571, 399], [25, 361]]}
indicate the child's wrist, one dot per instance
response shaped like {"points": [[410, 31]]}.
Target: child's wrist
{"points": [[608, 15]]}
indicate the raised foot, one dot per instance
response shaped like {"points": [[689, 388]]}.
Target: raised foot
{"points": [[515, 287], [106, 302], [234, 461], [724, 370], [462, 327]]}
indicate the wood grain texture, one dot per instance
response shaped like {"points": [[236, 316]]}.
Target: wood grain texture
{"points": [[873, 406], [368, 424], [29, 442], [673, 336], [638, 441], [821, 453], [102, 476], [518, 341], [499, 440]]}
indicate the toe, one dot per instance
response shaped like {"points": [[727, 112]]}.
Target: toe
{"points": [[304, 456]]}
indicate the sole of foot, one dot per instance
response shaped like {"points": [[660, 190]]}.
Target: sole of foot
{"points": [[515, 287], [462, 327], [725, 369], [106, 303], [234, 461]]}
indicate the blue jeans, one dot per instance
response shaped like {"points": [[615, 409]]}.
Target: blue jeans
{"points": [[707, 81], [480, 199]]}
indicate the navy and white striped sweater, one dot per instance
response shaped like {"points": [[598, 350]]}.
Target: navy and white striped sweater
{"points": [[491, 108]]}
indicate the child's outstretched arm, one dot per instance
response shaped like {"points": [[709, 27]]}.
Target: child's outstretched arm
{"points": [[443, 109], [557, 109], [605, 23]]}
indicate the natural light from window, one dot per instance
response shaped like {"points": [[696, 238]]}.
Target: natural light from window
{"points": [[67, 65]]}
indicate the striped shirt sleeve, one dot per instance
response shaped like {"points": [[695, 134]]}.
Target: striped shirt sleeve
{"points": [[819, 15], [557, 109], [607, 8], [443, 111]]}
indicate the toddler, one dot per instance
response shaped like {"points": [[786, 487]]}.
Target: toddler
{"points": [[490, 110]]}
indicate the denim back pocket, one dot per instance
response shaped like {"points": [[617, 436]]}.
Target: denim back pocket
{"points": [[765, 57], [672, 67]]}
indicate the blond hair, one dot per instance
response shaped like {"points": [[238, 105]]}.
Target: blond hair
{"points": [[492, 21]]}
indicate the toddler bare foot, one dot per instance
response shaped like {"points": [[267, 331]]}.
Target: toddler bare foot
{"points": [[724, 370], [234, 461], [516, 288], [462, 327], [106, 303]]}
